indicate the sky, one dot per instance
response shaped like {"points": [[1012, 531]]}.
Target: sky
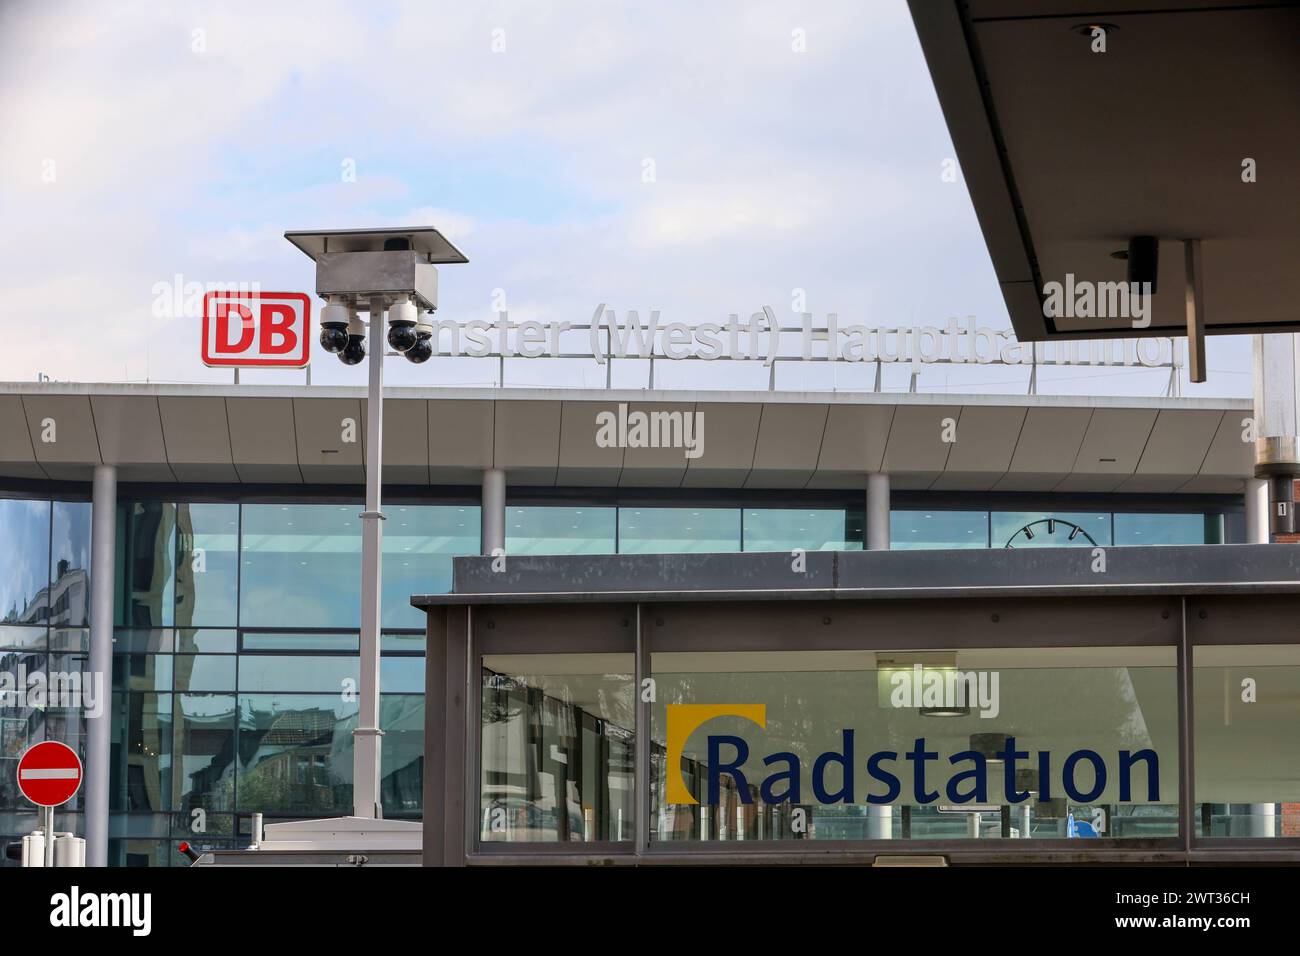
{"points": [[695, 159]]}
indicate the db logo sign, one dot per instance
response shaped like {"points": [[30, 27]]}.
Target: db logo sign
{"points": [[256, 329]]}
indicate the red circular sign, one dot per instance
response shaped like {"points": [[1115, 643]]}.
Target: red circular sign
{"points": [[49, 774]]}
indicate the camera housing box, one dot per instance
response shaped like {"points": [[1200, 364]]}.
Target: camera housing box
{"points": [[363, 274], [359, 263]]}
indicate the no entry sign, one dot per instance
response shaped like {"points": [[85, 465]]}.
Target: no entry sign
{"points": [[49, 774]]}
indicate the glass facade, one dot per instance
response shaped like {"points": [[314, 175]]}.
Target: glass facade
{"points": [[234, 672], [1247, 768], [789, 763], [557, 748]]}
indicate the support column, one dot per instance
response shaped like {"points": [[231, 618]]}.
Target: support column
{"points": [[493, 510], [877, 512], [880, 819], [1256, 511], [103, 535]]}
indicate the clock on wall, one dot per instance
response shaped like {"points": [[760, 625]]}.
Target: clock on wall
{"points": [[1050, 533]]}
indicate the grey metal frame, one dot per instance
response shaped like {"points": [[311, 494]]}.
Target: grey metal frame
{"points": [[825, 618]]}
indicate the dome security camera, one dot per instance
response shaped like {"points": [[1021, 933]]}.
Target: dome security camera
{"points": [[334, 321], [422, 350], [402, 316], [354, 351]]}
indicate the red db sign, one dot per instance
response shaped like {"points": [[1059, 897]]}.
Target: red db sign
{"points": [[256, 329]]}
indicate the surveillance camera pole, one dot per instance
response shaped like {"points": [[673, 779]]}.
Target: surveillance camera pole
{"points": [[365, 739], [393, 271]]}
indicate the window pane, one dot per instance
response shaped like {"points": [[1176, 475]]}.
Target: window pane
{"points": [[401, 717], [1164, 529], [401, 675], [257, 641], [155, 641], [204, 748], [207, 565], [825, 729], [146, 552], [1037, 529], [678, 530], [916, 530], [206, 642], [205, 672], [419, 542], [557, 747], [301, 566], [70, 564], [784, 529], [266, 672], [140, 774], [142, 672], [555, 530], [1246, 702], [25, 561], [295, 753], [26, 637]]}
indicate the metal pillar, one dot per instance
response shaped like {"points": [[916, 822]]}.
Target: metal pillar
{"points": [[880, 819], [1194, 306], [1256, 511], [493, 510], [1277, 423], [102, 552], [365, 739], [880, 822], [877, 512]]}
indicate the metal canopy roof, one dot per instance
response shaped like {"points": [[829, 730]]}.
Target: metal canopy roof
{"points": [[425, 240], [545, 437], [1068, 153], [1240, 569]]}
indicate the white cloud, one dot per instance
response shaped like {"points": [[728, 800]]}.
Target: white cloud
{"points": [[775, 168]]}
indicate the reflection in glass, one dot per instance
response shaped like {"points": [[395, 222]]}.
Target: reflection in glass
{"points": [[140, 774], [784, 529], [1246, 702], [146, 551], [25, 561], [198, 673], [917, 530], [301, 566], [70, 564], [298, 642], [24, 637], [204, 765], [1152, 529], [206, 641], [207, 564], [401, 787], [557, 748], [1058, 701], [142, 672], [271, 673], [1036, 529], [419, 543], [295, 753], [678, 530], [557, 530]]}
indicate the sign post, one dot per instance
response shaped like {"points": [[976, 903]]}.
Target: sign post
{"points": [[49, 775]]}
